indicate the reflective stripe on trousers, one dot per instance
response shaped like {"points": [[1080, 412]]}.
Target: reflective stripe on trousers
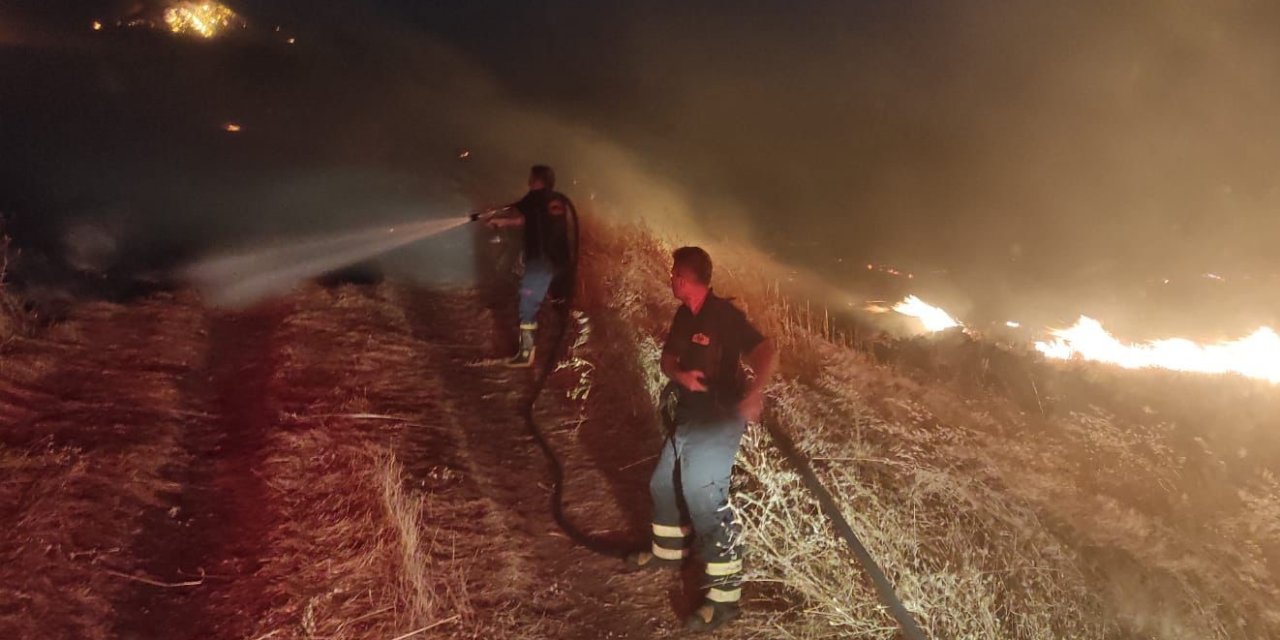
{"points": [[697, 461]]}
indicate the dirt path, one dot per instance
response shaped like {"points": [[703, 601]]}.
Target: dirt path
{"points": [[578, 593], [206, 543]]}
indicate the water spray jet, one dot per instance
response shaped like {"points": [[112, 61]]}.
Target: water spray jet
{"points": [[240, 279]]}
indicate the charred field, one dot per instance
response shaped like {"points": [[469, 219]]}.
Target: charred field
{"points": [[341, 463]]}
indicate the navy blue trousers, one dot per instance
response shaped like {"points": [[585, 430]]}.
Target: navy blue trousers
{"points": [[693, 471]]}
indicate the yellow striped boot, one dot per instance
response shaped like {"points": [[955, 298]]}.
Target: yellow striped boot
{"points": [[670, 548], [724, 590]]}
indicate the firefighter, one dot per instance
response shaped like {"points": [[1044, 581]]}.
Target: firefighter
{"points": [[544, 214], [713, 401]]}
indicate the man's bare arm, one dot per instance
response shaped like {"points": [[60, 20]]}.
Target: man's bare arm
{"points": [[763, 360], [508, 217]]}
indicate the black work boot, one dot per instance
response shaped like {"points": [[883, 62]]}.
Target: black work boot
{"points": [[711, 616], [524, 353], [724, 590], [647, 561]]}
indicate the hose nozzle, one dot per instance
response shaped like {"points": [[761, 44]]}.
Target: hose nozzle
{"points": [[476, 216]]}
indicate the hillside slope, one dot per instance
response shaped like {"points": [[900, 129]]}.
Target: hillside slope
{"points": [[344, 463]]}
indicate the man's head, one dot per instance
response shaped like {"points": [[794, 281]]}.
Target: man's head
{"points": [[690, 273], [541, 177]]}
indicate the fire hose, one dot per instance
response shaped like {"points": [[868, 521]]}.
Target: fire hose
{"points": [[544, 368], [884, 588]]}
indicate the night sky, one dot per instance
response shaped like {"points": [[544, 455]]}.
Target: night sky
{"points": [[1032, 151]]}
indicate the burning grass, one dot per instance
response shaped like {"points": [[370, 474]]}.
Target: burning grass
{"points": [[993, 522]]}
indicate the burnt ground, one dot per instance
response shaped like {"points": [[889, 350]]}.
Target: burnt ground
{"points": [[199, 521]]}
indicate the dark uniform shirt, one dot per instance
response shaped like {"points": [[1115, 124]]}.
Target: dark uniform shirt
{"points": [[713, 342], [546, 226]]}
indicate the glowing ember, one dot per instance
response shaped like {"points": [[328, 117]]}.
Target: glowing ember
{"points": [[933, 318], [1255, 356], [97, 26], [231, 127], [204, 19]]}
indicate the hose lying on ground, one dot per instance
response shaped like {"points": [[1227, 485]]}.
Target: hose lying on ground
{"points": [[884, 588], [544, 367]]}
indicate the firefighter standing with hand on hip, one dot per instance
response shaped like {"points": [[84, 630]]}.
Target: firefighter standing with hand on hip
{"points": [[544, 214], [703, 354]]}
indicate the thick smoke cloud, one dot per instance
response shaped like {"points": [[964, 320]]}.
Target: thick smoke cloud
{"points": [[1057, 156], [1050, 158]]}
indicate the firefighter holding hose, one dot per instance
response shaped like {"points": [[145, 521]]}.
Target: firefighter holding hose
{"points": [[713, 400], [544, 213]]}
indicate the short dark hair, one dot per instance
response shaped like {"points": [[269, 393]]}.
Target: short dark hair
{"points": [[695, 260], [544, 173]]}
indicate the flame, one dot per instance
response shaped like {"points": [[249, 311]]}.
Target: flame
{"points": [[204, 19], [1254, 356], [231, 127], [933, 318]]}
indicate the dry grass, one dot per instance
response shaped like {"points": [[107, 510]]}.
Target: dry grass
{"points": [[363, 550], [356, 556], [1122, 505], [365, 526], [84, 462], [991, 521]]}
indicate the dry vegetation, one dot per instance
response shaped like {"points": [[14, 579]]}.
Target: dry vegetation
{"points": [[333, 488], [1108, 516], [137, 507], [84, 461], [353, 553]]}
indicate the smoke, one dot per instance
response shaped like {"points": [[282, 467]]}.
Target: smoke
{"points": [[362, 122], [1028, 161], [1058, 156]]}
